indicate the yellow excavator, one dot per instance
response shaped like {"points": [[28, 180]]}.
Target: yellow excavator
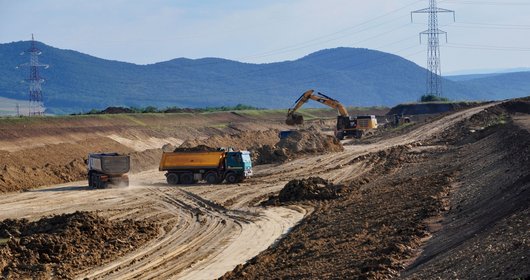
{"points": [[347, 126]]}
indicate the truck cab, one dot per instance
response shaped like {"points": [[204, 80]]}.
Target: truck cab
{"points": [[238, 163]]}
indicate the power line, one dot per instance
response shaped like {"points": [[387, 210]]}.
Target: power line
{"points": [[297, 46], [434, 82], [493, 3], [485, 47]]}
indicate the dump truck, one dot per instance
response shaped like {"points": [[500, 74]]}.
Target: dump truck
{"points": [[214, 167], [106, 169]]}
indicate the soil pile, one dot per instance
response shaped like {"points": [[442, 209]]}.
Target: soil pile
{"points": [[242, 140], [313, 188], [296, 144], [59, 246], [199, 148]]}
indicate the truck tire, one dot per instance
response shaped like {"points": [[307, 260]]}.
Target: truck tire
{"points": [[232, 178], [172, 179], [211, 178], [186, 178], [90, 183]]}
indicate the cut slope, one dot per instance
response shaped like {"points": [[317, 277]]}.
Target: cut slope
{"points": [[474, 173]]}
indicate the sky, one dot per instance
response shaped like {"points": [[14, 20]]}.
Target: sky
{"points": [[487, 34]]}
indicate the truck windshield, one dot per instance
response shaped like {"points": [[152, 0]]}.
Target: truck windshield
{"points": [[246, 157]]}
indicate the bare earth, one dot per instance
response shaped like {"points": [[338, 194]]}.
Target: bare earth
{"points": [[207, 230]]}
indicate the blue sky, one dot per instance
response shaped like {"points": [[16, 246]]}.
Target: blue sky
{"points": [[488, 34]]}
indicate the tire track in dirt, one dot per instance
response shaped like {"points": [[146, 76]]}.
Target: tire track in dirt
{"points": [[198, 234]]}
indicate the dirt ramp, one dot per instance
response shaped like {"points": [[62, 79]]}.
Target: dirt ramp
{"points": [[521, 105], [59, 246]]}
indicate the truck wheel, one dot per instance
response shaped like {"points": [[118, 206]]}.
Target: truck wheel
{"points": [[211, 178], [186, 178], [172, 179], [358, 134], [95, 182], [89, 179], [231, 178]]}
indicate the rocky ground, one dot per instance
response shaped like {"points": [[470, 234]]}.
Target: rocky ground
{"points": [[55, 247]]}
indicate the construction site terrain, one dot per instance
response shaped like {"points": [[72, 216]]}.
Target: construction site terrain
{"points": [[444, 197]]}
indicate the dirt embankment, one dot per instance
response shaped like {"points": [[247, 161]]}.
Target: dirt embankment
{"points": [[429, 108], [44, 151], [266, 147], [59, 246], [485, 234], [297, 144], [465, 191], [241, 140], [367, 233], [55, 164]]}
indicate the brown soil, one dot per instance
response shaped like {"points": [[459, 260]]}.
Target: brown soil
{"points": [[45, 151], [446, 199], [369, 232], [200, 148], [312, 188], [466, 191], [58, 246], [26, 169], [241, 140], [429, 108], [299, 143]]}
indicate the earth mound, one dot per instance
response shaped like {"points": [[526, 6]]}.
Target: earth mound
{"points": [[313, 188], [199, 148], [57, 247], [241, 140], [297, 143], [428, 108], [521, 105]]}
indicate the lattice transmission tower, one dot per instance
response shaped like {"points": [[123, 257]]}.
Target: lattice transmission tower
{"points": [[36, 102], [434, 81]]}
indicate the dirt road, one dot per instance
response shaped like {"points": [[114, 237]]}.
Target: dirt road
{"points": [[206, 229]]}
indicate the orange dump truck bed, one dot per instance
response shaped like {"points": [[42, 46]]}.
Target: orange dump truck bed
{"points": [[191, 160]]}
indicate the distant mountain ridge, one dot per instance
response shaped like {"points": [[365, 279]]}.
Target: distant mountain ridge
{"points": [[78, 82]]}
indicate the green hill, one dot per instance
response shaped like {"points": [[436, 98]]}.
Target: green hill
{"points": [[78, 82]]}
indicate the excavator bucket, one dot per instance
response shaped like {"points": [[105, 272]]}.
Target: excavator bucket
{"points": [[294, 119]]}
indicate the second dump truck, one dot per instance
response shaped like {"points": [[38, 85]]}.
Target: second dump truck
{"points": [[214, 167], [106, 169]]}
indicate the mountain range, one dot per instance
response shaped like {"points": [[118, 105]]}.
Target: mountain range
{"points": [[77, 82]]}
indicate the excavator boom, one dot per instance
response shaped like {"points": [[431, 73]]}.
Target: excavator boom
{"points": [[293, 118]]}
